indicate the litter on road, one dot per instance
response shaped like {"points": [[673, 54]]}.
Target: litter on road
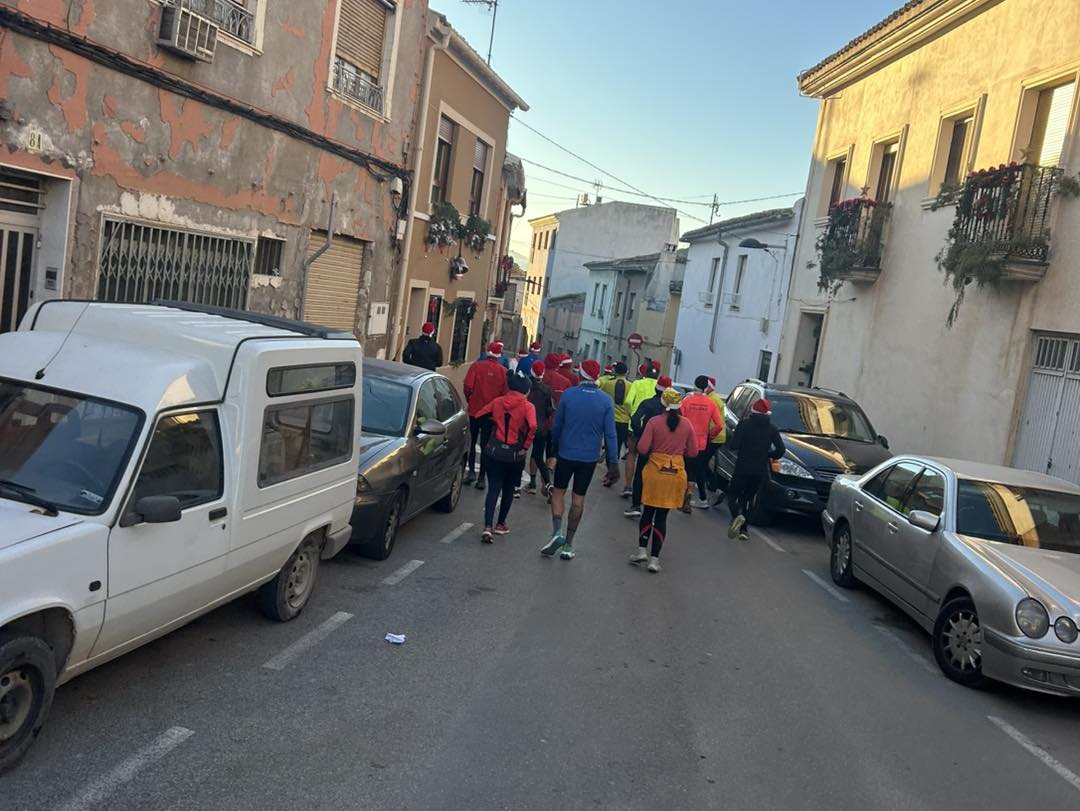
{"points": [[395, 639]]}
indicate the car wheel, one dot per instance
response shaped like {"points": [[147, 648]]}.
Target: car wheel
{"points": [[958, 642], [840, 557], [27, 683], [284, 597], [449, 502], [380, 547]]}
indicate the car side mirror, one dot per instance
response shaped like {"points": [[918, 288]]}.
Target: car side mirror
{"points": [[924, 520], [153, 510], [431, 428], [883, 442]]}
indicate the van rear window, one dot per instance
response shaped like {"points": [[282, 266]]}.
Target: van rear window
{"points": [[306, 379], [299, 438]]}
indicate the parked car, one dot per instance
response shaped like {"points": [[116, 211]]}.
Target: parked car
{"points": [[826, 434], [413, 447], [984, 558], [157, 462]]}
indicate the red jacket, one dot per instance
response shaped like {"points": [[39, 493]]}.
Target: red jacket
{"points": [[703, 415], [522, 415], [571, 378], [485, 380], [558, 383]]}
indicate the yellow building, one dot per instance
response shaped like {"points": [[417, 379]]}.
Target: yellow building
{"points": [[543, 243]]}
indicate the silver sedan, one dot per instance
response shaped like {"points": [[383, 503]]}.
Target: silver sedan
{"points": [[985, 558]]}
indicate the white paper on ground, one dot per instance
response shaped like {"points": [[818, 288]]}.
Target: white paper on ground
{"points": [[396, 639]]}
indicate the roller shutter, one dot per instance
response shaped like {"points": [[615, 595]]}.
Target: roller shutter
{"points": [[361, 34], [333, 282]]}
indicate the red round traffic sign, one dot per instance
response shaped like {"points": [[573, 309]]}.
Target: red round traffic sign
{"points": [[635, 341]]}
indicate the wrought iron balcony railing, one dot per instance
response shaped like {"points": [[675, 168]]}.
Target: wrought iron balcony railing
{"points": [[850, 247], [231, 17], [349, 82]]}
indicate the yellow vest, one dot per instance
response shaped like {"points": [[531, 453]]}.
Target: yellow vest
{"points": [[720, 438], [607, 385], [640, 391]]}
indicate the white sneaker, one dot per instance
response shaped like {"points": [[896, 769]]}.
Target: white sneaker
{"points": [[633, 512], [736, 526], [640, 556], [698, 504], [654, 565]]}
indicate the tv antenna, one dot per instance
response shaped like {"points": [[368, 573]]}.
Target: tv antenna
{"points": [[493, 6]]}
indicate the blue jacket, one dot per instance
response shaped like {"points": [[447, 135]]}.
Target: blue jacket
{"points": [[584, 417], [525, 364]]}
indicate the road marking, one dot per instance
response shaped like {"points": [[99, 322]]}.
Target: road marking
{"points": [[1062, 771], [905, 649], [771, 542], [457, 533], [833, 592], [100, 789], [308, 640], [402, 573]]}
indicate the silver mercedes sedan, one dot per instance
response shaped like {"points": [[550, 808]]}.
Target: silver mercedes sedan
{"points": [[985, 558]]}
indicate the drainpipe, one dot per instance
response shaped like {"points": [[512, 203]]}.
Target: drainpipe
{"points": [[311, 259], [397, 333], [718, 301]]}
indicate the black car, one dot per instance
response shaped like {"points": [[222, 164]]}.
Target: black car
{"points": [[413, 445], [826, 434]]}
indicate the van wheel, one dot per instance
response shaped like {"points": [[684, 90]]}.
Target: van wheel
{"points": [[27, 683], [284, 597], [449, 502]]}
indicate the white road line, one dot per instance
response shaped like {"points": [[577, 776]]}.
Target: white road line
{"points": [[308, 640], [100, 789], [457, 533], [907, 651], [771, 542], [1062, 771], [402, 573], [833, 592]]}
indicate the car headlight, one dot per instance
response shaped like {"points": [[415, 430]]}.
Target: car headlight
{"points": [[787, 467], [1065, 629], [362, 485], [1032, 618]]}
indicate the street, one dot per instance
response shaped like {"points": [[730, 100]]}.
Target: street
{"points": [[737, 678]]}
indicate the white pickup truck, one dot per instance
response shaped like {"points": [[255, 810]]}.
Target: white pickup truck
{"points": [[155, 462]]}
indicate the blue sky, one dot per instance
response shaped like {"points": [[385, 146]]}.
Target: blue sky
{"points": [[681, 98]]}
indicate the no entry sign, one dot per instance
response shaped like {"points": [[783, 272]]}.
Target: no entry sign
{"points": [[635, 341]]}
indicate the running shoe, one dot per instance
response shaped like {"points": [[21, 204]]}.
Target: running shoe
{"points": [[654, 565], [633, 512], [626, 493], [698, 504], [479, 484], [736, 526], [470, 477], [517, 492], [743, 536], [547, 491], [502, 529], [531, 489], [640, 556], [567, 552], [554, 545], [485, 536]]}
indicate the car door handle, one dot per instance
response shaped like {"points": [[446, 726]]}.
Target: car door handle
{"points": [[218, 514], [893, 527], [858, 506]]}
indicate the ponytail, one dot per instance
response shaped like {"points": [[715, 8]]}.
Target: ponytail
{"points": [[672, 420]]}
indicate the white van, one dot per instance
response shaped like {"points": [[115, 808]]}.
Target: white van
{"points": [[155, 462]]}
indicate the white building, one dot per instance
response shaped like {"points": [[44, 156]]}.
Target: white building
{"points": [[733, 297]]}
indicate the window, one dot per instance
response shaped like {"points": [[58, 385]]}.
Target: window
{"points": [[886, 175], [440, 185], [764, 365], [1039, 519], [141, 263], [893, 488], [821, 416], [476, 189], [449, 405], [596, 349], [741, 399], [603, 299], [630, 305], [1052, 112], [740, 271], [957, 162], [546, 235], [268, 256], [459, 343], [308, 379], [427, 403], [358, 54], [184, 460], [714, 272], [235, 17], [595, 297], [300, 438], [836, 179], [928, 494], [386, 406], [434, 314], [618, 303]]}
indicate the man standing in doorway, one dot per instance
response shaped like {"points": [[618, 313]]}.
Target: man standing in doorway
{"points": [[485, 380], [423, 350], [584, 418], [756, 442]]}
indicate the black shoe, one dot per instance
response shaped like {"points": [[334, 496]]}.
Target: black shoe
{"points": [[470, 477], [479, 484]]}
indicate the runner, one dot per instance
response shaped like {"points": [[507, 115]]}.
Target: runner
{"points": [[645, 412], [566, 369], [485, 380], [514, 420], [703, 414], [584, 418], [525, 364], [617, 387], [716, 441], [544, 405], [756, 441], [641, 390], [554, 379], [667, 439]]}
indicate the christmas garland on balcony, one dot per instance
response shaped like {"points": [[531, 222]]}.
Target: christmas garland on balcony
{"points": [[443, 227], [849, 242]]}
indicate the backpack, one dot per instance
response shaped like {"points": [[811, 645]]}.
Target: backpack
{"points": [[503, 452]]}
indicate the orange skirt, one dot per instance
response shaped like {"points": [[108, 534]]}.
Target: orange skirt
{"points": [[663, 482]]}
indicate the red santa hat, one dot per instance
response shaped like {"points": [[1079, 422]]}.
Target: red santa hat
{"points": [[537, 370], [428, 329], [535, 347], [663, 382], [523, 353], [762, 406], [590, 369], [495, 348], [566, 360]]}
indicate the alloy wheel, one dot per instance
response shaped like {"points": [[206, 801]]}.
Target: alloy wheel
{"points": [[962, 640], [392, 525], [842, 553]]}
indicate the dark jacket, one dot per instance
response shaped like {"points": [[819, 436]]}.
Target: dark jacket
{"points": [[756, 441], [646, 410], [544, 403], [423, 352]]}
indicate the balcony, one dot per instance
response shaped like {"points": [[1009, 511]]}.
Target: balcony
{"points": [[850, 247], [233, 19], [351, 83]]}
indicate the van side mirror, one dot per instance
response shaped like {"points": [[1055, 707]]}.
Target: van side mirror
{"points": [[431, 428], [924, 520], [883, 442], [153, 510]]}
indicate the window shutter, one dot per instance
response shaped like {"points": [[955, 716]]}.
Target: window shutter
{"points": [[1057, 122], [361, 34], [480, 156], [446, 130]]}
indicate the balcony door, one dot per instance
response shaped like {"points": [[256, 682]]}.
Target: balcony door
{"points": [[1051, 124]]}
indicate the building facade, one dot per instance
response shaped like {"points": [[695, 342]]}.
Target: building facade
{"points": [[733, 297], [563, 315], [450, 276], [204, 150], [909, 110]]}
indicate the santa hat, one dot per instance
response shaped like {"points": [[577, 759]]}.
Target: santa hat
{"points": [[642, 369], [495, 348], [762, 406], [656, 365], [428, 329], [590, 369], [523, 353], [534, 347], [566, 360], [551, 361], [537, 370], [712, 383], [663, 382], [609, 369]]}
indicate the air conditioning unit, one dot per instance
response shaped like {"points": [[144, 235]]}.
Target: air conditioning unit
{"points": [[705, 297], [186, 33], [736, 300]]}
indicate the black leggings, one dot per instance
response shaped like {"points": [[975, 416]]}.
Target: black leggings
{"points": [[742, 492], [479, 431], [502, 478], [540, 450], [653, 525], [699, 470], [639, 471]]}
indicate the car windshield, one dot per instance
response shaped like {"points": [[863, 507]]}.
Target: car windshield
{"points": [[819, 416], [1025, 516], [386, 406], [61, 449]]}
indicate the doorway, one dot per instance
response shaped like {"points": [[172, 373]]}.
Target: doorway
{"points": [[807, 341], [16, 273]]}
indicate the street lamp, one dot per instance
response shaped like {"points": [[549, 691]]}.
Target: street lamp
{"points": [[750, 242]]}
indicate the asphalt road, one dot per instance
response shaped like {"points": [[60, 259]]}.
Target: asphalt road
{"points": [[733, 679]]}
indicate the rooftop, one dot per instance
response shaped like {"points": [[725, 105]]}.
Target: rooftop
{"points": [[755, 220]]}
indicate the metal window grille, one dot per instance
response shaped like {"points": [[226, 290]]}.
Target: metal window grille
{"points": [[268, 256], [20, 192], [141, 263], [1050, 353], [349, 80], [230, 15]]}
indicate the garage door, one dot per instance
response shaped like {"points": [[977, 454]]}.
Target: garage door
{"points": [[1049, 438], [333, 282]]}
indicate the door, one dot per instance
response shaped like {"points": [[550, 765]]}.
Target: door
{"points": [[416, 314], [431, 452], [806, 348], [16, 273], [159, 573], [1049, 435], [332, 286], [911, 550], [877, 513]]}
